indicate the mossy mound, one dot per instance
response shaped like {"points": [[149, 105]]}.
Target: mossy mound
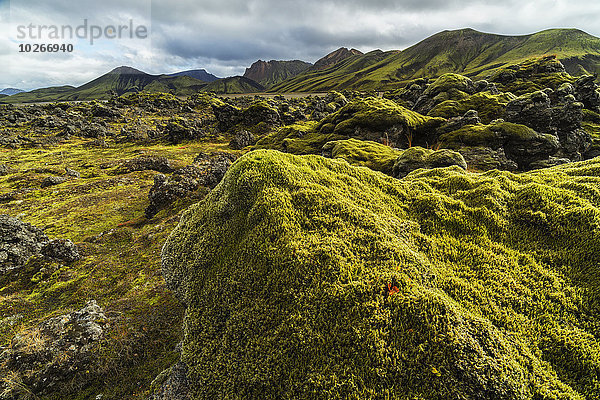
{"points": [[299, 138], [532, 75], [309, 278], [450, 82], [492, 135], [520, 143], [381, 120], [418, 157], [488, 106], [376, 156]]}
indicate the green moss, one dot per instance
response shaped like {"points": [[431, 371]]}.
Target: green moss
{"points": [[309, 278], [380, 119], [488, 106], [376, 156], [492, 135], [531, 75], [103, 212], [300, 138], [261, 106], [450, 82]]}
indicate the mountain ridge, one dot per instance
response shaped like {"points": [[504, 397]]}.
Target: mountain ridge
{"points": [[465, 51]]}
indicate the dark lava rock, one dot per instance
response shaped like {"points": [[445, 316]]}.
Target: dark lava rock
{"points": [[57, 355], [5, 169], [171, 384], [72, 173], [144, 163], [166, 189], [485, 158], [215, 166], [227, 116], [61, 249], [52, 181], [179, 129], [242, 139], [532, 110], [418, 157], [206, 171], [260, 112], [588, 93], [549, 162], [562, 119], [18, 242], [471, 117], [94, 131], [99, 110]]}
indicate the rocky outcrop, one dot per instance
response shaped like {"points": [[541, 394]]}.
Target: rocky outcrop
{"points": [[146, 163], [227, 116], [588, 92], [61, 249], [561, 119], [179, 129], [482, 158], [242, 139], [418, 157], [260, 112], [171, 384], [53, 181], [56, 355], [206, 171], [517, 143], [19, 241]]}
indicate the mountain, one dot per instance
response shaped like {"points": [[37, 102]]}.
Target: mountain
{"points": [[119, 81], [200, 74], [11, 91], [269, 73], [234, 85], [465, 51], [39, 95], [333, 58]]}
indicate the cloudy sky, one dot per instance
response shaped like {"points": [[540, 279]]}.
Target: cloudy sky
{"points": [[225, 36]]}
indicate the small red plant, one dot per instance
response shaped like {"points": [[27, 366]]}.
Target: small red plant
{"points": [[392, 290]]}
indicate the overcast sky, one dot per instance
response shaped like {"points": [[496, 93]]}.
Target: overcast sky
{"points": [[225, 36]]}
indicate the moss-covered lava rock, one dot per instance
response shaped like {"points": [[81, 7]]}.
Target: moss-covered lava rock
{"points": [[309, 278], [418, 157], [381, 120], [376, 156]]}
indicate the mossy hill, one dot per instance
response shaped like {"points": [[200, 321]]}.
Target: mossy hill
{"points": [[309, 278], [119, 81], [465, 51], [234, 85]]}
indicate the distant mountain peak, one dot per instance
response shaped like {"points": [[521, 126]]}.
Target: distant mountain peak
{"points": [[269, 73], [200, 74], [10, 91], [335, 57], [125, 70]]}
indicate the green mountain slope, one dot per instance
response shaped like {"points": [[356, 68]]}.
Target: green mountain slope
{"points": [[323, 280], [234, 85], [44, 94], [121, 80], [269, 73], [464, 51]]}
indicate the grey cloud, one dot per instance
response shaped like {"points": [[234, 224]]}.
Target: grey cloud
{"points": [[225, 36]]}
